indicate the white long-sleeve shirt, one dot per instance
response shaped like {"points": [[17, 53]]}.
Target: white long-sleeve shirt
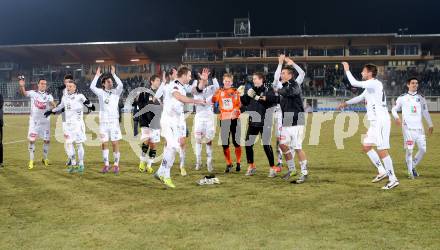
{"points": [[174, 108], [357, 99], [299, 79], [373, 94], [206, 94], [164, 91], [413, 107], [73, 107], [108, 100]]}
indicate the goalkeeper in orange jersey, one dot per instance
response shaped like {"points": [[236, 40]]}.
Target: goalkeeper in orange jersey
{"points": [[228, 99]]}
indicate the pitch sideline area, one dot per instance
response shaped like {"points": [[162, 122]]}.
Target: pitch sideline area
{"points": [[47, 208]]}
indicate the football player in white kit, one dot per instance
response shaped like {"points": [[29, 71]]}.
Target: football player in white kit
{"points": [[380, 123], [173, 125], [413, 106], [109, 129], [204, 120], [164, 92], [278, 114], [39, 125], [63, 92], [74, 128]]}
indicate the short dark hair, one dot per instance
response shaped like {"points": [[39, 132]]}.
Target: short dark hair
{"points": [[183, 70], [153, 78], [410, 79], [170, 70], [260, 75], [68, 77], [105, 77], [288, 68], [41, 79], [371, 68], [71, 81]]}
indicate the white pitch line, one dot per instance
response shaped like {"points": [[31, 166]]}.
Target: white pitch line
{"points": [[12, 142]]}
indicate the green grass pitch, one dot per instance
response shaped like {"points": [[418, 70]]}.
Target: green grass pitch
{"points": [[338, 208]]}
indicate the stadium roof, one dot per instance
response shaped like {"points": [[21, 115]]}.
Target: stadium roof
{"points": [[71, 53], [125, 52]]}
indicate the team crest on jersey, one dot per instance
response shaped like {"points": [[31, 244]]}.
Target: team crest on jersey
{"points": [[107, 101], [40, 105], [417, 99]]}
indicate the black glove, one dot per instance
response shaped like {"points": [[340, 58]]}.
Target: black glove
{"points": [[92, 108], [48, 113]]}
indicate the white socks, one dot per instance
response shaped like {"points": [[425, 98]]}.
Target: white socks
{"points": [[45, 150], [31, 149], [291, 164], [388, 163], [116, 158], [182, 157], [374, 157], [70, 151], [167, 162], [409, 160], [199, 153], [143, 157], [419, 156], [80, 148], [303, 165], [209, 154], [105, 153]]}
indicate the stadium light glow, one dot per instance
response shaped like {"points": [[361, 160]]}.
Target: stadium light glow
{"points": [[134, 60], [100, 61]]}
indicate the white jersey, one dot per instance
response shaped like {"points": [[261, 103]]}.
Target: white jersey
{"points": [[175, 108], [164, 92], [108, 100], [374, 96], [40, 103], [206, 95], [413, 107], [73, 107]]}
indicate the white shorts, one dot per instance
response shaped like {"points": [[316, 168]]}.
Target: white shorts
{"points": [[172, 131], [293, 136], [39, 129], [74, 132], [204, 128], [413, 136], [379, 134], [110, 131], [150, 135]]}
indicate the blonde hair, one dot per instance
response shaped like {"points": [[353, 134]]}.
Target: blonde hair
{"points": [[228, 75]]}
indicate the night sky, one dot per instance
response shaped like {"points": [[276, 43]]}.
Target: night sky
{"points": [[55, 21]]}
